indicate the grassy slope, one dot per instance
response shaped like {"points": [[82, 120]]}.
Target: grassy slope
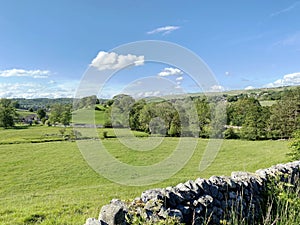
{"points": [[89, 116], [51, 182]]}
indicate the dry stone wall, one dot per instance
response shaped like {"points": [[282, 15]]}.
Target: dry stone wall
{"points": [[202, 200]]}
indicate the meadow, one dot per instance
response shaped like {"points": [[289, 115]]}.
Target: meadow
{"points": [[45, 180]]}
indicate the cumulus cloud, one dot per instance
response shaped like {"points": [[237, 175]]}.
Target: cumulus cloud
{"points": [[25, 73], [249, 87], [164, 30], [112, 60], [217, 88], [169, 71], [287, 80]]}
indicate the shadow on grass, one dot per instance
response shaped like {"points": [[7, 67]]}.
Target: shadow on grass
{"points": [[19, 127]]}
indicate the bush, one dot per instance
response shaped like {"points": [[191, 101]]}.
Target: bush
{"points": [[230, 134], [295, 146], [43, 120], [48, 123]]}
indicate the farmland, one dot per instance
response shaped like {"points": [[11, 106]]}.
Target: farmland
{"points": [[50, 182]]}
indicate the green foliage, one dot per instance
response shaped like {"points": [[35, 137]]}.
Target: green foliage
{"points": [[140, 220], [62, 131], [107, 118], [41, 102], [86, 102], [204, 116], [285, 116], [218, 119], [230, 134], [41, 113], [295, 146], [146, 114], [255, 124], [120, 110], [283, 207], [134, 116], [175, 128], [60, 114], [237, 111], [7, 113]]}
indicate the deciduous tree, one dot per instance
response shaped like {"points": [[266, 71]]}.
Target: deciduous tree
{"points": [[7, 113]]}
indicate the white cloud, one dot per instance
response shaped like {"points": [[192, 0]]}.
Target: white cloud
{"points": [[25, 73], [51, 82], [287, 80], [146, 94], [111, 61], [169, 71], [37, 90], [164, 30], [179, 78], [217, 88], [249, 87]]}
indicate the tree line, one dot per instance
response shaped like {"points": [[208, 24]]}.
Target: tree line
{"points": [[241, 117], [58, 114], [220, 116]]}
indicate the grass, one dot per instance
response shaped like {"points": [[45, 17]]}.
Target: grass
{"points": [[51, 183], [283, 204], [267, 103], [29, 134], [24, 113], [89, 116]]}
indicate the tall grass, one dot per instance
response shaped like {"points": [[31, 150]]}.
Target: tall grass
{"points": [[283, 207]]}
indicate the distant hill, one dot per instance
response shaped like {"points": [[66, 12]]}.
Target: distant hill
{"points": [[37, 103], [262, 94]]}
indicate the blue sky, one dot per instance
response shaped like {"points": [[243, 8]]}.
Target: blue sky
{"points": [[46, 46]]}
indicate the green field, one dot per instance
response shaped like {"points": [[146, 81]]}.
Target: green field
{"points": [[51, 183], [89, 116]]}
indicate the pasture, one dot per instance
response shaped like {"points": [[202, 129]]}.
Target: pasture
{"points": [[45, 180]]}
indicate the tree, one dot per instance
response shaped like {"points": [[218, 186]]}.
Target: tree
{"points": [[285, 115], [66, 116], [165, 111], [146, 114], [255, 124], [107, 118], [120, 110], [218, 119], [204, 115], [60, 113], [41, 113], [175, 128], [7, 113], [86, 102], [135, 113], [237, 111]]}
